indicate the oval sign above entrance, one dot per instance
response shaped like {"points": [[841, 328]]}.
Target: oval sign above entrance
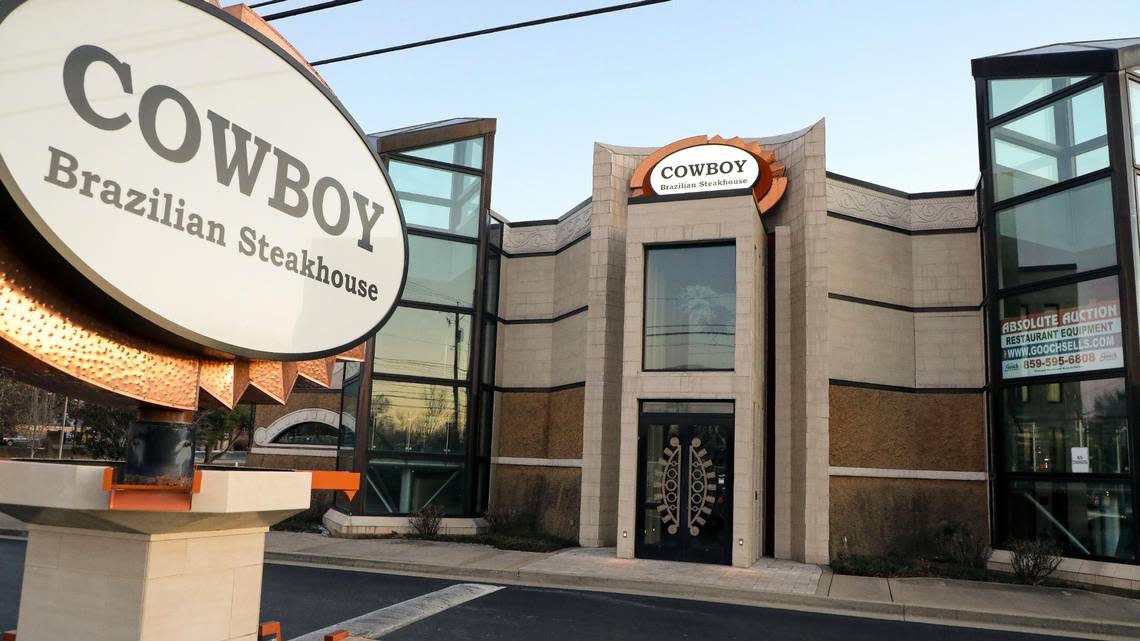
{"points": [[198, 175], [700, 164], [711, 167]]}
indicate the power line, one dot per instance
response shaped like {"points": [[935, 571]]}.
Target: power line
{"points": [[483, 32], [309, 9], [262, 4]]}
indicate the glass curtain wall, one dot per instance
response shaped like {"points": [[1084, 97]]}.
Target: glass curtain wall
{"points": [[424, 414], [1062, 439]]}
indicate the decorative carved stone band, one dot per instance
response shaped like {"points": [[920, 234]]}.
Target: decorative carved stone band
{"points": [[912, 214]]}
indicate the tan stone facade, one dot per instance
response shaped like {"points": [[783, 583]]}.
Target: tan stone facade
{"points": [[858, 361]]}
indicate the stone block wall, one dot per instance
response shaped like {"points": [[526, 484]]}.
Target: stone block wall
{"points": [[540, 374], [908, 419]]}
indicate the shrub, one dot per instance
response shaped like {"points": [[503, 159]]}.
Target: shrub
{"points": [[427, 520], [1034, 560], [870, 565], [509, 521], [960, 546]]}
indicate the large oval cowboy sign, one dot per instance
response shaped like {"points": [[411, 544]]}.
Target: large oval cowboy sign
{"points": [[700, 164], [197, 175], [705, 168]]}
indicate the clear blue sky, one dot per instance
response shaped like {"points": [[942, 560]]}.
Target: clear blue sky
{"points": [[891, 78]]}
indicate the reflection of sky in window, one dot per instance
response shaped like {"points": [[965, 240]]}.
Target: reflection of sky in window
{"points": [[1044, 144], [1040, 125], [468, 153], [1089, 115], [1024, 160], [437, 199], [1007, 95], [440, 271], [1071, 231]]}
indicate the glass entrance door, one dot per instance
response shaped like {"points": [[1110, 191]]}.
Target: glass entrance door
{"points": [[685, 489]]}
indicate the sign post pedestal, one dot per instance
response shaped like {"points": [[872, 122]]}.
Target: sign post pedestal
{"points": [[98, 572]]}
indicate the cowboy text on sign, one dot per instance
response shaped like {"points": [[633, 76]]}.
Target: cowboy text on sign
{"points": [[192, 171]]}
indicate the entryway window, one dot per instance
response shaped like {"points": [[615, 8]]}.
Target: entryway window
{"points": [[690, 307]]}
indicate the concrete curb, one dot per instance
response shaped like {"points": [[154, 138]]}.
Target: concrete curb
{"points": [[807, 602]]}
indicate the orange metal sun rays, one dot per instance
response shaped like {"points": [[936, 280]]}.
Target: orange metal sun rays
{"points": [[50, 339]]}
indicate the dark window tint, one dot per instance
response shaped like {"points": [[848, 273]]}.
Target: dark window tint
{"points": [[491, 283], [311, 433], [687, 407], [402, 486], [1079, 428], [349, 399], [487, 375], [1088, 518]]}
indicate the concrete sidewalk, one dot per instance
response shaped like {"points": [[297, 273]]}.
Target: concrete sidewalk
{"points": [[771, 583]]}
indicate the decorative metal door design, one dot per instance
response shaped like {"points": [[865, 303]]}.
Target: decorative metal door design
{"points": [[685, 488]]}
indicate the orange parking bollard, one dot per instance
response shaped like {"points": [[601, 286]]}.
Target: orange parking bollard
{"points": [[339, 635], [270, 630]]}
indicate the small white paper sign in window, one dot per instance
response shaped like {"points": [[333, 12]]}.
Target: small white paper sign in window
{"points": [[1080, 459]]}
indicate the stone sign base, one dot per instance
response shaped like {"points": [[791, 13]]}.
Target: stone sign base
{"points": [[171, 574]]}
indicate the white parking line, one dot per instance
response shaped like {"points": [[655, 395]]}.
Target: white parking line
{"points": [[377, 623]]}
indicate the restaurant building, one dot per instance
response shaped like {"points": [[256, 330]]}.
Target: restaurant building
{"points": [[727, 352]]}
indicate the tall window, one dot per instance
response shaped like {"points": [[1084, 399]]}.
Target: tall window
{"points": [[1062, 441], [690, 307], [427, 400]]}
